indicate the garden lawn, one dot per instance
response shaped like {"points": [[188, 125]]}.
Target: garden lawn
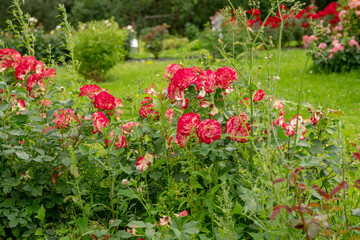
{"points": [[339, 91]]}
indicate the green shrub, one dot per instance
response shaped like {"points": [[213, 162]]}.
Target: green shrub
{"points": [[99, 46], [191, 31], [155, 38], [174, 43]]}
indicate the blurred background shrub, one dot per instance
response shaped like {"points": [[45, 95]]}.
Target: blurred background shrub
{"points": [[99, 46]]}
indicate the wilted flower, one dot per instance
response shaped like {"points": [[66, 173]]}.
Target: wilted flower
{"points": [[145, 162], [164, 221], [238, 127]]}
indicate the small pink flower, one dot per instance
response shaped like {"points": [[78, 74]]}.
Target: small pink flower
{"points": [[182, 214], [131, 231], [353, 43], [164, 221], [127, 128], [124, 181], [259, 95], [169, 114], [322, 46]]}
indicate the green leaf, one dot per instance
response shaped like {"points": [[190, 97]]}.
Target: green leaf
{"points": [[13, 223], [22, 155], [137, 224], [115, 223], [74, 171], [191, 227], [356, 212], [155, 175], [82, 223], [127, 193], [150, 233], [313, 230], [84, 149], [41, 213], [18, 132], [39, 232], [123, 234]]}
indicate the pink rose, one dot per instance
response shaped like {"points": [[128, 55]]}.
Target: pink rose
{"points": [[225, 76], [181, 140], [127, 128], [259, 95], [170, 70], [100, 121], [238, 127], [209, 130], [206, 83], [89, 90], [187, 123], [184, 77]]}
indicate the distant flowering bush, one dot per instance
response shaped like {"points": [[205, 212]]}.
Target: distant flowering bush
{"points": [[338, 45]]}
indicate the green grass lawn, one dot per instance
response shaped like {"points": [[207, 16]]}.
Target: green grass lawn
{"points": [[340, 91]]}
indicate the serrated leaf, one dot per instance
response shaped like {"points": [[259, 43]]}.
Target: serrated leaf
{"points": [[22, 155], [41, 213], [115, 223], [137, 224], [82, 223], [191, 227], [74, 170], [84, 149]]}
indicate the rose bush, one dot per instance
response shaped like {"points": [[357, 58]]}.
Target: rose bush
{"points": [[209, 154]]}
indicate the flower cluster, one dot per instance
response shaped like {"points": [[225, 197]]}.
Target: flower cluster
{"points": [[30, 72], [339, 44]]}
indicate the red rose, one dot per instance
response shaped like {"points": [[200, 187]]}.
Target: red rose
{"points": [[224, 76], [206, 83], [63, 117], [187, 122], [259, 95], [10, 57], [209, 130], [184, 77], [35, 85], [175, 92], [27, 66], [104, 101], [170, 70], [117, 111], [100, 121], [148, 110], [237, 127], [89, 90], [120, 141]]}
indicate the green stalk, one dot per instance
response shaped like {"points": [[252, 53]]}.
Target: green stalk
{"points": [[298, 108]]}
